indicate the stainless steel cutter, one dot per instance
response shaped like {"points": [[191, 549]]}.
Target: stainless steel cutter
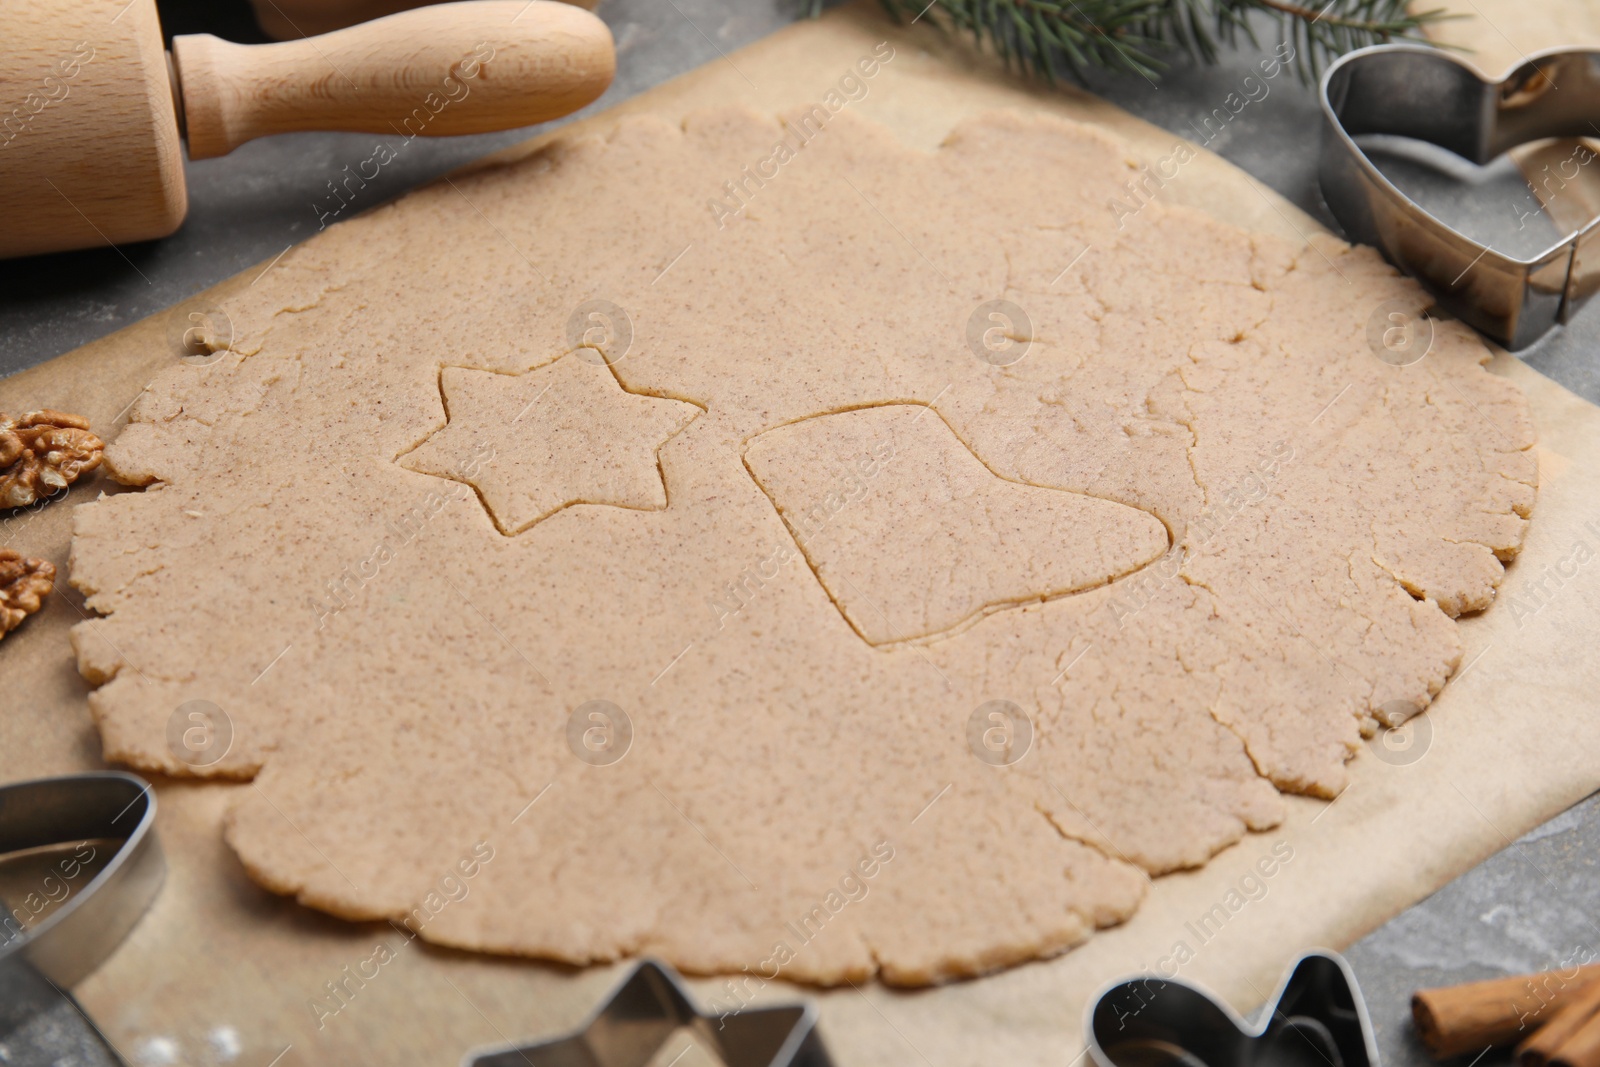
{"points": [[651, 1004], [1430, 95], [79, 863], [1316, 1019]]}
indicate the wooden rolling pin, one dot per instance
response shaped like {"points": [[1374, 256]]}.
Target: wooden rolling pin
{"points": [[89, 138]]}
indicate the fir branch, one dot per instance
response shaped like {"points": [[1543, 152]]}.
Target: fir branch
{"points": [[1050, 38]]}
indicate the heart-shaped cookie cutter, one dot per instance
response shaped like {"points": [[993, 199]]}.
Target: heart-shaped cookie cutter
{"points": [[1429, 95], [1315, 1019], [89, 917]]}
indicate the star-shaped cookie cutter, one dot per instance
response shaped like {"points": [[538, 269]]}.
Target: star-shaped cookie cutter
{"points": [[1423, 93], [651, 1004]]}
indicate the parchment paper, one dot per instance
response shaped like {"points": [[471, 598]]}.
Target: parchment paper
{"points": [[221, 971], [1495, 35]]}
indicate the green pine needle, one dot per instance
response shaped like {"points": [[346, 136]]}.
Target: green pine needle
{"points": [[1049, 38]]}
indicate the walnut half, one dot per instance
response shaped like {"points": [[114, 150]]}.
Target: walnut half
{"points": [[42, 453], [24, 583]]}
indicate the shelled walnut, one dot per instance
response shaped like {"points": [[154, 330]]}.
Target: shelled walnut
{"points": [[43, 452], [23, 585]]}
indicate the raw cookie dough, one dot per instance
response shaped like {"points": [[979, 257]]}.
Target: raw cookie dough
{"points": [[580, 439], [936, 538], [699, 669]]}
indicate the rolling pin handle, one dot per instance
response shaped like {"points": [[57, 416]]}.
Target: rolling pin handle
{"points": [[424, 72]]}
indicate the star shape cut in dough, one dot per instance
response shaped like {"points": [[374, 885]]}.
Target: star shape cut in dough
{"points": [[563, 434]]}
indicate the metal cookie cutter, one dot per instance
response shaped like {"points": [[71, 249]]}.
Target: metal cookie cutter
{"points": [[636, 1021], [1429, 95], [1316, 1019], [79, 863]]}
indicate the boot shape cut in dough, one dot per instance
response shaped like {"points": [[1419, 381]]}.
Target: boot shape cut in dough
{"points": [[912, 535]]}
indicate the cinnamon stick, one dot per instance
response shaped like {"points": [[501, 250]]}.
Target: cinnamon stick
{"points": [[1467, 1018], [1563, 1025], [1583, 1048]]}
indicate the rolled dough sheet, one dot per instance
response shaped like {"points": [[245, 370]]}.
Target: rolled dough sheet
{"points": [[1471, 787], [921, 478]]}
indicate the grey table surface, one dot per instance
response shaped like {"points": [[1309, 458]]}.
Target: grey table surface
{"points": [[1532, 905]]}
